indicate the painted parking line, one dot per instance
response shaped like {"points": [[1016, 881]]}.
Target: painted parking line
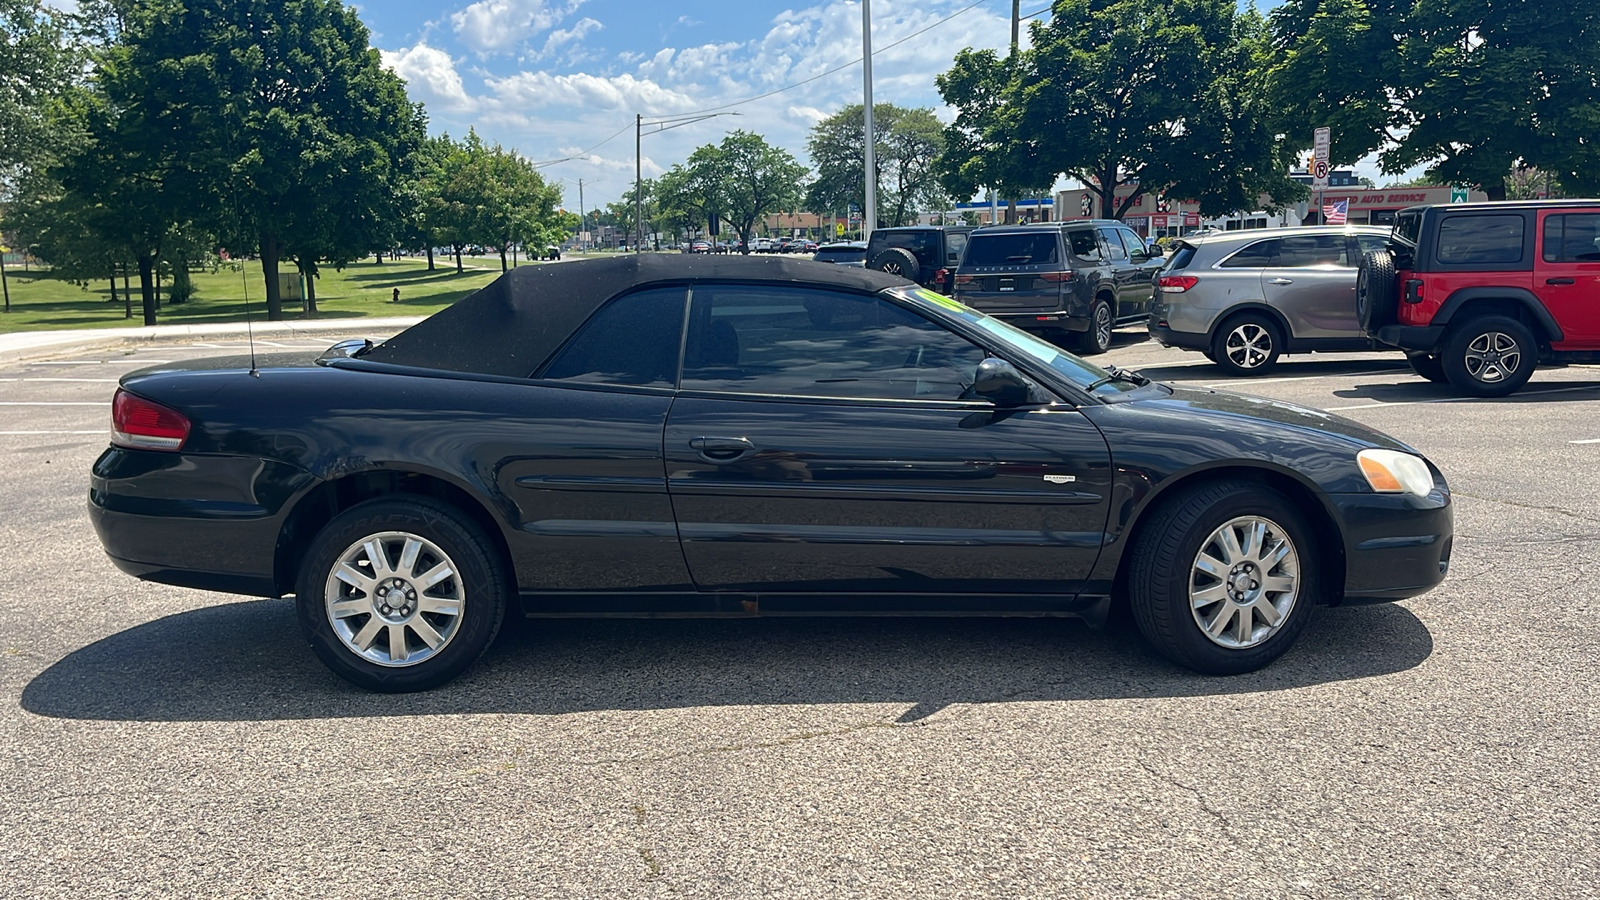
{"points": [[96, 431], [1246, 381], [98, 362], [55, 402], [73, 380], [1585, 387], [1589, 441]]}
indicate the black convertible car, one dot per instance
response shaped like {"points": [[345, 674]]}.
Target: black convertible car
{"points": [[669, 435]]}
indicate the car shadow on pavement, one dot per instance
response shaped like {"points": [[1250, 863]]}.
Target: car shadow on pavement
{"points": [[1533, 391], [1289, 367], [246, 661]]}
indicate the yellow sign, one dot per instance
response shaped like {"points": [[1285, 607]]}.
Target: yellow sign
{"points": [[839, 229]]}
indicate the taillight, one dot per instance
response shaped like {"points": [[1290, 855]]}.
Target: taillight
{"points": [[1056, 277], [145, 425], [966, 279], [1177, 284], [940, 276], [1413, 290]]}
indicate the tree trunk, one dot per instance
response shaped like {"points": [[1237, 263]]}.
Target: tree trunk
{"points": [[503, 266], [147, 287], [379, 257], [127, 295], [5, 286], [269, 270], [158, 284], [457, 248], [513, 256], [114, 297], [430, 257], [310, 276], [181, 288]]}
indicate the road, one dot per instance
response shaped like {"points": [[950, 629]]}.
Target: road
{"points": [[161, 742]]}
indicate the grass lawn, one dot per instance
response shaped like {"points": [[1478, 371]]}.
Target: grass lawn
{"points": [[40, 302]]}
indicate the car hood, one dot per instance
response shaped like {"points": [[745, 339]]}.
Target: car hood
{"points": [[1247, 411]]}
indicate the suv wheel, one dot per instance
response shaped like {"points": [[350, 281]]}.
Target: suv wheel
{"points": [[1377, 292], [1097, 339], [1427, 365], [897, 261], [1247, 345], [1490, 356]]}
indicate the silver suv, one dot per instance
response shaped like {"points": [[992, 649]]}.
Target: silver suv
{"points": [[1244, 297]]}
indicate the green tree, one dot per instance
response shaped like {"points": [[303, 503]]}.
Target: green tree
{"points": [[515, 203], [690, 194], [1156, 96], [38, 60], [906, 148], [280, 116], [756, 179], [986, 147], [1473, 89]]}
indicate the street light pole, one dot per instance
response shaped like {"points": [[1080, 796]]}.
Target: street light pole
{"points": [[638, 185], [869, 215]]}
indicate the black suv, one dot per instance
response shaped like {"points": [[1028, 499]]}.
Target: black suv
{"points": [[926, 254], [1477, 294], [1073, 280]]}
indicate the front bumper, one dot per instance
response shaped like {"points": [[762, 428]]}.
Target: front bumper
{"points": [[1411, 337], [194, 520], [1396, 545]]}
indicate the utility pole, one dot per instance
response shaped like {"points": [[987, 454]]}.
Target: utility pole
{"points": [[583, 220], [869, 215], [1016, 23], [638, 181]]}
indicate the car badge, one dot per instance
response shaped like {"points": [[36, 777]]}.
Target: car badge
{"points": [[1061, 479]]}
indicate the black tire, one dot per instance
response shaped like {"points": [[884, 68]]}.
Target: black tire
{"points": [[1097, 338], [1428, 366], [1247, 344], [1377, 292], [897, 261], [1489, 356], [1162, 574], [475, 585]]}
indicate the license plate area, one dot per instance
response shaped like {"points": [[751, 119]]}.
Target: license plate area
{"points": [[1008, 284]]}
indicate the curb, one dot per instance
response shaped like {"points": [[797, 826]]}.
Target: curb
{"points": [[21, 346]]}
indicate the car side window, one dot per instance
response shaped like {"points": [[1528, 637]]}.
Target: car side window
{"points": [[1307, 250], [1573, 237], [633, 340], [922, 244], [1084, 246], [1134, 243], [1114, 248], [954, 244], [1259, 255], [1371, 243], [1480, 240], [803, 342]]}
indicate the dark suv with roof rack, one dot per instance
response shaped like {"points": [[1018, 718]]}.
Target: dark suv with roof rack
{"points": [[1073, 280], [1477, 294]]}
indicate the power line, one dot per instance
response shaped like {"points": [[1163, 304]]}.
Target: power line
{"points": [[582, 153], [1036, 12]]}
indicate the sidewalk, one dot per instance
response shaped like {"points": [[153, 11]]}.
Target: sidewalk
{"points": [[30, 344]]}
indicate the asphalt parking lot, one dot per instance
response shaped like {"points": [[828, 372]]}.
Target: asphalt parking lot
{"points": [[162, 742]]}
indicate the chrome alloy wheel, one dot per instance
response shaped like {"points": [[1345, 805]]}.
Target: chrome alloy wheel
{"points": [[1248, 345], [1102, 325], [1244, 582], [1493, 357], [394, 598]]}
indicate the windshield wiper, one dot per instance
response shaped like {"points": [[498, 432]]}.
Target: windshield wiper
{"points": [[1116, 373]]}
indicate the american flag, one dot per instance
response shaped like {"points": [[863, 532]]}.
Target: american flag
{"points": [[1336, 212]]}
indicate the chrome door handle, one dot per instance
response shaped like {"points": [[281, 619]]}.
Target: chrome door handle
{"points": [[1281, 281]]}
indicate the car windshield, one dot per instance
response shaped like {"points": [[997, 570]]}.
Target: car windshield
{"points": [[1018, 343]]}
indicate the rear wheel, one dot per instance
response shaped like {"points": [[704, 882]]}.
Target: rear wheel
{"points": [[400, 594], [1248, 344], [1489, 356], [1097, 339], [1427, 365], [1223, 577]]}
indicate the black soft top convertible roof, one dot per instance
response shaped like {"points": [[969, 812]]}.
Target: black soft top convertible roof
{"points": [[515, 322]]}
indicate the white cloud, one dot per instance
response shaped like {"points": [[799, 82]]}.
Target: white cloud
{"points": [[431, 75], [533, 90], [495, 26], [563, 36]]}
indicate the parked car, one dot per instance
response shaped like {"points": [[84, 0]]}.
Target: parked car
{"points": [[1072, 282], [926, 254], [1478, 294], [847, 253], [1244, 298], [765, 245], [639, 436], [551, 252], [809, 247]]}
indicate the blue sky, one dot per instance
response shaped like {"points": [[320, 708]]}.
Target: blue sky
{"points": [[563, 78]]}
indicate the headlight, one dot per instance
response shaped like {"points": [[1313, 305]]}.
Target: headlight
{"points": [[1393, 472]]}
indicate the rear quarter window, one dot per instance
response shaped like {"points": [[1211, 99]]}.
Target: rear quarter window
{"points": [[1255, 256], [1018, 249], [1490, 240], [1181, 257]]}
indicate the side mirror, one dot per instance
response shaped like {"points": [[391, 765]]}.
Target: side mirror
{"points": [[1000, 383]]}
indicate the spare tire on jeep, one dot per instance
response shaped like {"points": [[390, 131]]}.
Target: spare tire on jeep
{"points": [[1377, 291], [898, 261]]}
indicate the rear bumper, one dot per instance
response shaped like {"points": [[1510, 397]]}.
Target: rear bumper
{"points": [[194, 520], [1396, 545], [1167, 337], [1411, 337]]}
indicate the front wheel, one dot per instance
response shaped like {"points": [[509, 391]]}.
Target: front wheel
{"points": [[1223, 577], [1490, 356], [400, 594]]}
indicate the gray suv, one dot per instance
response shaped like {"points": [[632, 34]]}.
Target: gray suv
{"points": [[1243, 298], [1074, 280]]}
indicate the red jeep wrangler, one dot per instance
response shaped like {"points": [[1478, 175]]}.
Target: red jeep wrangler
{"points": [[1477, 294]]}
